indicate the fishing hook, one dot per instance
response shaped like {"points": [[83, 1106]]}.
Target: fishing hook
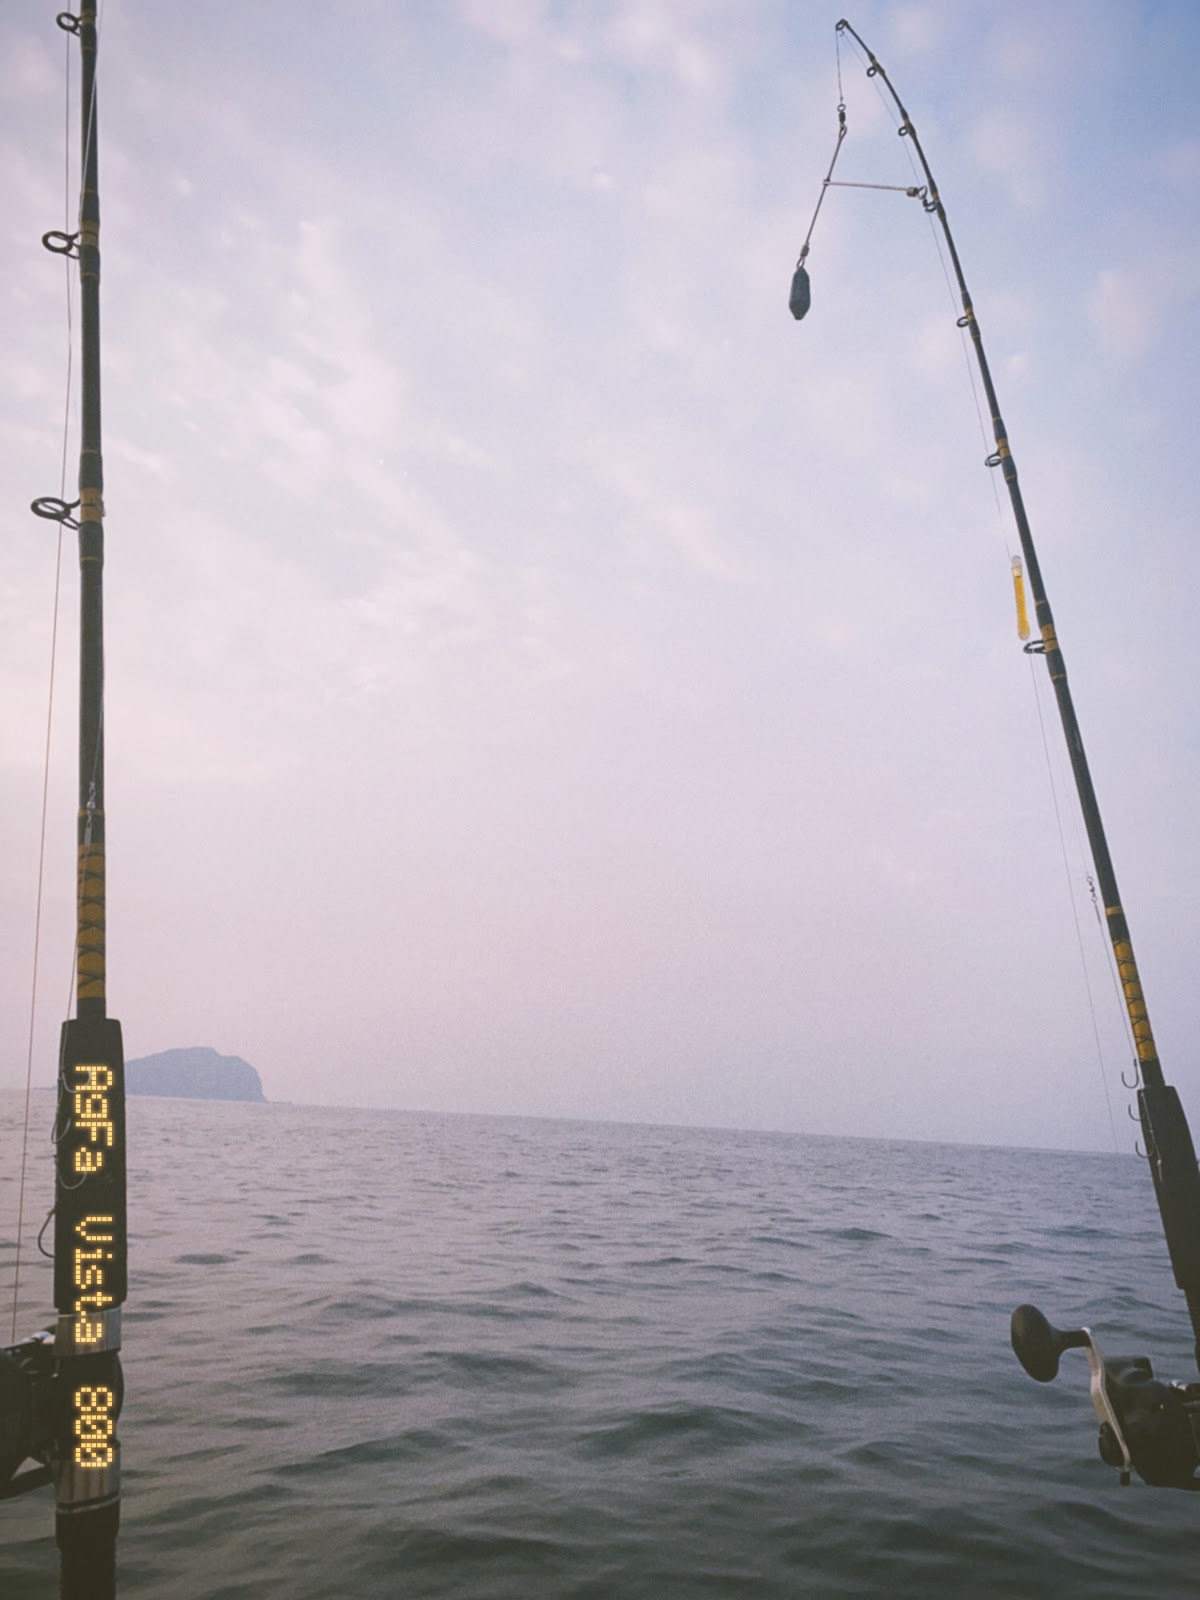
{"points": [[1136, 1143], [42, 1233]]}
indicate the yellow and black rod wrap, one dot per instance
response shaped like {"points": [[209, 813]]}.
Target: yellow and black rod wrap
{"points": [[1168, 1139], [90, 1251]]}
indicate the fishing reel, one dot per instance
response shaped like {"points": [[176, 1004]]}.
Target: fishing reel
{"points": [[1146, 1425], [28, 1413], [34, 1416]]}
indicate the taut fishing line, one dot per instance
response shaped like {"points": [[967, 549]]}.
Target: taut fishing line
{"points": [[54, 615], [799, 302]]}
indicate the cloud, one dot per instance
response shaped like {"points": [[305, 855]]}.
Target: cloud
{"points": [[1009, 143], [916, 28], [511, 22], [29, 70], [1181, 163], [595, 675], [660, 36], [1122, 308]]}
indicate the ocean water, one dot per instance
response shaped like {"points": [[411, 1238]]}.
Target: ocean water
{"points": [[377, 1353]]}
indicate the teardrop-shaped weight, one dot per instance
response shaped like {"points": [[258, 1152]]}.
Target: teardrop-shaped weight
{"points": [[801, 296]]}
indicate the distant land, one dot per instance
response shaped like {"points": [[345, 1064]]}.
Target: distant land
{"points": [[195, 1074]]}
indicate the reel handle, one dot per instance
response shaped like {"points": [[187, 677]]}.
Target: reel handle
{"points": [[1038, 1344]]}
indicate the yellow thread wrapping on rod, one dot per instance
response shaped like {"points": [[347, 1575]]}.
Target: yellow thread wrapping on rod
{"points": [[1131, 986], [89, 949], [1018, 576]]}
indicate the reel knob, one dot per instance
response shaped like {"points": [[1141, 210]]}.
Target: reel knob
{"points": [[1038, 1344]]}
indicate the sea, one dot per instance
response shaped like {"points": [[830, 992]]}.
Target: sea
{"points": [[384, 1353]]}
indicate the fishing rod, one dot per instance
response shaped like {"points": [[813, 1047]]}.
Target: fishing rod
{"points": [[1145, 1424], [61, 1392]]}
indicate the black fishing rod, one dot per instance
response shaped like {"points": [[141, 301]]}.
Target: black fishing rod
{"points": [[61, 1393], [1144, 1423]]}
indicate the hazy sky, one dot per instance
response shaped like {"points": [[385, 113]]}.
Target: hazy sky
{"points": [[543, 677]]}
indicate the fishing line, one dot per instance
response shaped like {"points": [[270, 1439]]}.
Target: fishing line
{"points": [[1164, 1442], [827, 184], [1038, 692], [1069, 875], [54, 616], [973, 380], [90, 130], [1114, 978], [916, 190], [964, 343], [923, 190], [1072, 872]]}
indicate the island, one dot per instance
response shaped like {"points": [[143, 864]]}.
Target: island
{"points": [[198, 1073]]}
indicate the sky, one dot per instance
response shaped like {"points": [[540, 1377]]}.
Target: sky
{"points": [[543, 678]]}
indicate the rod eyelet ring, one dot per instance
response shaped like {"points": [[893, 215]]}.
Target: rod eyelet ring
{"points": [[62, 244], [55, 510]]}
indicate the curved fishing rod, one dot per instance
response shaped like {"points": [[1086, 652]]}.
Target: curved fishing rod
{"points": [[1144, 1423], [60, 1397]]}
